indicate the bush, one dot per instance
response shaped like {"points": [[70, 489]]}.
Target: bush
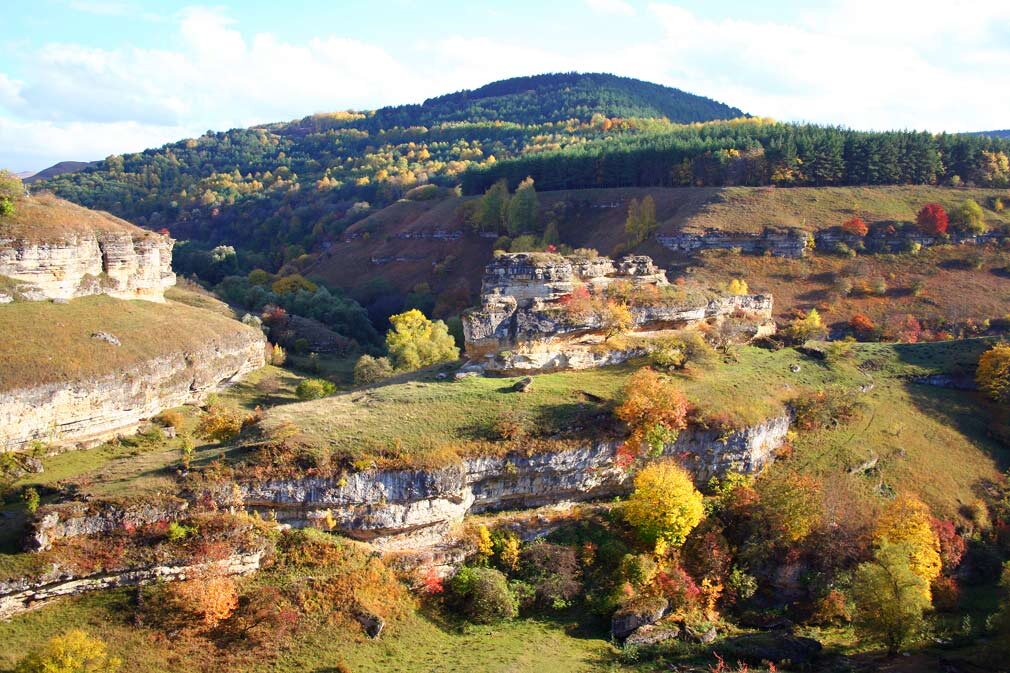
{"points": [[855, 227], [314, 389], [170, 418], [415, 342], [553, 572], [371, 370], [805, 327], [738, 286], [482, 595], [277, 355], [206, 601], [655, 410], [932, 220], [73, 652], [219, 424], [826, 408], [969, 218]]}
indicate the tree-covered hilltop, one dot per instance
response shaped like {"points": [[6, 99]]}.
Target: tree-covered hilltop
{"points": [[556, 98], [757, 152]]}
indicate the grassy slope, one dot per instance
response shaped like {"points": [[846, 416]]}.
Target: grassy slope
{"points": [[44, 217], [930, 440], [410, 645], [43, 342]]}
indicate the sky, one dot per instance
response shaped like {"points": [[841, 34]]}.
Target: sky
{"points": [[84, 79]]}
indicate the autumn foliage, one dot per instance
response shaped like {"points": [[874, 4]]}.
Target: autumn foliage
{"points": [[855, 227], [993, 374], [861, 325], [665, 506], [206, 600], [933, 220], [654, 409], [907, 521]]}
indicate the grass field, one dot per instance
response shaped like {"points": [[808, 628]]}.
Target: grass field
{"points": [[45, 218], [42, 342]]}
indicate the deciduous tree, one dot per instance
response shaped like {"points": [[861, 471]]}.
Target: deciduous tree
{"points": [[73, 652], [993, 373], [665, 506], [890, 597], [907, 521], [654, 408], [932, 220], [415, 342]]}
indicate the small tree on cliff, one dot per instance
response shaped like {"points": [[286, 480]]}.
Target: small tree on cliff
{"points": [[415, 342], [654, 409]]}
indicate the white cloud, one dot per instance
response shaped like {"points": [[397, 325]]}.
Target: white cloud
{"points": [[861, 63], [611, 7]]}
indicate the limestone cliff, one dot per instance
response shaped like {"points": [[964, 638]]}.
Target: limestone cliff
{"points": [[414, 507], [544, 311], [51, 249]]}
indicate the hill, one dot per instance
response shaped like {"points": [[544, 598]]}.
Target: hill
{"points": [[558, 98], [61, 168]]}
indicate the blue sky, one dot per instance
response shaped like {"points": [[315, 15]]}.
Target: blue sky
{"points": [[82, 79]]}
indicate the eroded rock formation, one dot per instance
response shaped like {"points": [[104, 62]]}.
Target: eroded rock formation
{"points": [[529, 319]]}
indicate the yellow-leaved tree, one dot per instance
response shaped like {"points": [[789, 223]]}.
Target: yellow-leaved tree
{"points": [[665, 506], [890, 597], [655, 410], [738, 286], [415, 342], [993, 373], [907, 521], [790, 505], [73, 652]]}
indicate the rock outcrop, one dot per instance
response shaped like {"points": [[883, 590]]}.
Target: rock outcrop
{"points": [[76, 518], [542, 312], [414, 507], [89, 253], [89, 411], [23, 594]]}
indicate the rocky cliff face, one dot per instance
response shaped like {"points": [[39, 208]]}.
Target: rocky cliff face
{"points": [[124, 264], [86, 412], [778, 242], [411, 507], [526, 322]]}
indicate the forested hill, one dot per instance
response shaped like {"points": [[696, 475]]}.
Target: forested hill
{"points": [[558, 97]]}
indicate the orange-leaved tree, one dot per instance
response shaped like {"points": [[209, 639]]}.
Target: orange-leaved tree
{"points": [[655, 410], [855, 227]]}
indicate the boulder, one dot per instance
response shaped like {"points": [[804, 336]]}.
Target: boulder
{"points": [[699, 636], [652, 634], [523, 385], [371, 623], [637, 614], [778, 647]]}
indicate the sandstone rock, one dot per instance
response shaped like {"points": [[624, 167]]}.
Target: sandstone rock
{"points": [[459, 376], [701, 636], [637, 614]]}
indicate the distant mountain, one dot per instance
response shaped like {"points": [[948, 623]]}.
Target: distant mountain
{"points": [[62, 168], [559, 97], [1004, 133], [24, 175]]}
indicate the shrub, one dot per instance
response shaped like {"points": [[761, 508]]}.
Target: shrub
{"points": [[11, 189], [73, 652], [826, 408], [371, 370], [506, 549], [737, 286], [993, 373], [277, 355], [177, 531], [553, 572], [855, 227], [293, 284], [946, 594], [207, 601], [314, 389], [654, 408], [482, 595], [509, 426], [890, 597], [805, 327], [31, 498], [415, 342], [170, 418], [952, 545], [219, 424], [790, 505], [665, 506], [969, 218], [932, 220], [862, 327]]}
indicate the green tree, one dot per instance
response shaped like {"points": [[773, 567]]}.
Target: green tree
{"points": [[494, 207], [483, 595], [11, 189], [73, 652], [890, 597], [641, 220], [523, 209], [415, 342]]}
